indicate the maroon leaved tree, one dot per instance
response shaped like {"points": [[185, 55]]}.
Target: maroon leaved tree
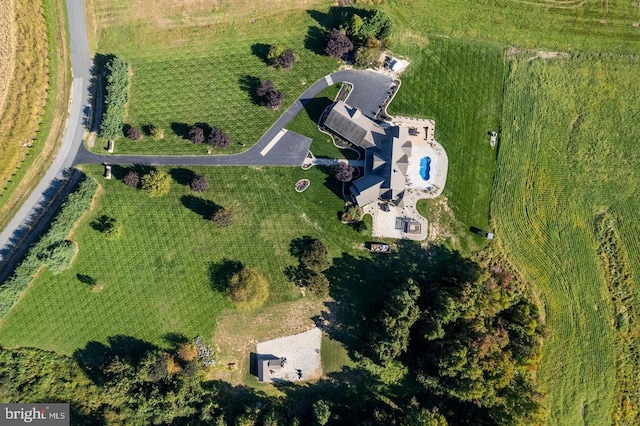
{"points": [[196, 134], [133, 133], [269, 94], [132, 179], [337, 44], [199, 183], [344, 172], [287, 59], [218, 138]]}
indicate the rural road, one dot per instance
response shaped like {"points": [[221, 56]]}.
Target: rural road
{"points": [[276, 147]]}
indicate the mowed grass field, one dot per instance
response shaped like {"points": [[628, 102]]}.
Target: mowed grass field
{"points": [[160, 276], [203, 63], [459, 84], [568, 155], [574, 25]]}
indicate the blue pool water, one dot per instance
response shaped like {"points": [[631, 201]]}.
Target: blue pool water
{"points": [[425, 167]]}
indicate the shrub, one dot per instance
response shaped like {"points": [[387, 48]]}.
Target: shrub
{"points": [[132, 132], [156, 183], [274, 54], [117, 96], [344, 172], [318, 284], [218, 138], [58, 256], [337, 44], [156, 132], [271, 97], [315, 255], [132, 179], [287, 59], [196, 134], [222, 217], [248, 289], [199, 183], [352, 214]]}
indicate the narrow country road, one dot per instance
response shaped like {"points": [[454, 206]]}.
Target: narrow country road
{"points": [[277, 147]]}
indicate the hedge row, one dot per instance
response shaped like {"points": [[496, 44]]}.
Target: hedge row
{"points": [[116, 98], [52, 250]]}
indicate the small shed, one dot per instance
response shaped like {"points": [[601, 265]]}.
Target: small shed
{"points": [[267, 364]]}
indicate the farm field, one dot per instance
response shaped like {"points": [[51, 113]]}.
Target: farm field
{"points": [[565, 210], [31, 121], [458, 84], [162, 274], [574, 25], [205, 69]]}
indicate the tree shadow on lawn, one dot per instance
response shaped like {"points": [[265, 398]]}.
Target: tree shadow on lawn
{"points": [[331, 183], [261, 50], [182, 176], [359, 286], [205, 208], [315, 107], [96, 354], [181, 130], [315, 40], [220, 273], [249, 84]]}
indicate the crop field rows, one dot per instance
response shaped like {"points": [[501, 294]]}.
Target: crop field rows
{"points": [[157, 277], [7, 46], [459, 85], [557, 168]]}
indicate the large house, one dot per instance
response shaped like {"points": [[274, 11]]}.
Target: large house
{"points": [[387, 153]]}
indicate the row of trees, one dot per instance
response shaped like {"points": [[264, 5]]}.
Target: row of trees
{"points": [[215, 137], [135, 133], [365, 31], [117, 96]]}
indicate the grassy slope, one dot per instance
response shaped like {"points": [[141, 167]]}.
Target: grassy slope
{"points": [[459, 85], [156, 278], [540, 24], [185, 74], [24, 119], [568, 152]]}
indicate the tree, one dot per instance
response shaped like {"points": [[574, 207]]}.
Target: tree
{"points": [[315, 255], [156, 183], [248, 288], [344, 172], [222, 217], [199, 183], [117, 96], [321, 412], [196, 134], [274, 53], [287, 59], [269, 94], [156, 132], [133, 132], [317, 283], [132, 179], [398, 315], [218, 138], [337, 44]]}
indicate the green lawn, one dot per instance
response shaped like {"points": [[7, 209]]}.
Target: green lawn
{"points": [[569, 153], [186, 74], [538, 24], [459, 85], [334, 356], [157, 277]]}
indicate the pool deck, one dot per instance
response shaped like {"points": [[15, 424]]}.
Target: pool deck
{"points": [[423, 145]]}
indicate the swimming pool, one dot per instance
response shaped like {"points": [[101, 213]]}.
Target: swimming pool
{"points": [[425, 168]]}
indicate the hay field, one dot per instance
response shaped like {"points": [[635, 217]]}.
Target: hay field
{"points": [[566, 213], [7, 48]]}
